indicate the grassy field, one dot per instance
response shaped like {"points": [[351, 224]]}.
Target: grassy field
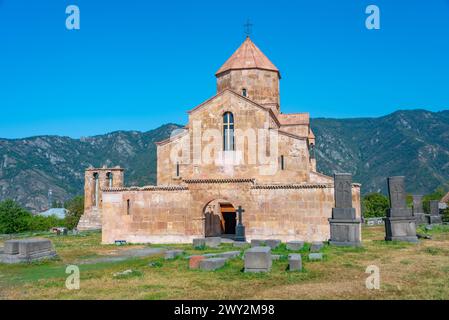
{"points": [[407, 271]]}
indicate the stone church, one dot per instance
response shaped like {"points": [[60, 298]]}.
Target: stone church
{"points": [[237, 150]]}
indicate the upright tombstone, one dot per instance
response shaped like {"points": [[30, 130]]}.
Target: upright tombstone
{"points": [[345, 227], [400, 224], [240, 228], [434, 217], [418, 210]]}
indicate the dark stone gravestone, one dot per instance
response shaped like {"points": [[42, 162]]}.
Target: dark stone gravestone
{"points": [[240, 228], [400, 224], [434, 217], [345, 227], [418, 210]]}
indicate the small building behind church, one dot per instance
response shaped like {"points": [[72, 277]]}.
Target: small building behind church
{"points": [[238, 149]]}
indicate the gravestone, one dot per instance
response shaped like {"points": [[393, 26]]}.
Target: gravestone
{"points": [[294, 262], [258, 259], [213, 242], [17, 251], [316, 246], [295, 245], [212, 264], [199, 242], [240, 228], [194, 261], [273, 244], [229, 254], [257, 243], [434, 217], [418, 210], [315, 256], [400, 224], [239, 244], [344, 226], [172, 254]]}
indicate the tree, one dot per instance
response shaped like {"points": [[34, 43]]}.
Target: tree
{"points": [[374, 205], [75, 207], [13, 218]]}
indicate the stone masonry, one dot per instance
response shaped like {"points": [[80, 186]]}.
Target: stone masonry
{"points": [[280, 191]]}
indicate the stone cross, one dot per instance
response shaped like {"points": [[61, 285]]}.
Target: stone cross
{"points": [[248, 25], [343, 190], [396, 191], [240, 211], [417, 204]]}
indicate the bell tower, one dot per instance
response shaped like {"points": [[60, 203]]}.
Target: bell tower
{"points": [[250, 73]]}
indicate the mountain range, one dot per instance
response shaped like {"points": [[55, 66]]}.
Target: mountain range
{"points": [[413, 143]]}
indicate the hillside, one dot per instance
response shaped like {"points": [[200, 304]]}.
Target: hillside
{"points": [[411, 143]]}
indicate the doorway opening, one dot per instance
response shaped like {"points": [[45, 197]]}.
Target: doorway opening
{"points": [[220, 219]]}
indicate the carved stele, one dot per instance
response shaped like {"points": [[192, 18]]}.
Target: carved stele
{"points": [[418, 210], [345, 227], [400, 223]]}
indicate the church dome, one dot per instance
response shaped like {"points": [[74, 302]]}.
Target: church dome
{"points": [[247, 56]]}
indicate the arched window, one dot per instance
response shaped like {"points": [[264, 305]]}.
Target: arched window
{"points": [[228, 132], [110, 178], [244, 93], [96, 189]]}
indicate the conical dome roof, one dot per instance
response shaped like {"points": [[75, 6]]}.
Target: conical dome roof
{"points": [[247, 56]]}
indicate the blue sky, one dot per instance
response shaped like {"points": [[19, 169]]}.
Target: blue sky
{"points": [[135, 65]]}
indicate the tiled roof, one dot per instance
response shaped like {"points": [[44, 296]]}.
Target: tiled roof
{"points": [[247, 56], [445, 199]]}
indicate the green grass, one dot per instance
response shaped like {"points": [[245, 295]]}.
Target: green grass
{"points": [[408, 271]]}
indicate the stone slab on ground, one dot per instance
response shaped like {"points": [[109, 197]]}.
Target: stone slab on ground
{"points": [[199, 242], [257, 243], [172, 254], [294, 262], [212, 264], [295, 245], [240, 244], [315, 256], [273, 243], [194, 261], [27, 250], [316, 246], [276, 257], [213, 242], [258, 259], [229, 254], [122, 255]]}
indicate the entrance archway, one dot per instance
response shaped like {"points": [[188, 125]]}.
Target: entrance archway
{"points": [[220, 219]]}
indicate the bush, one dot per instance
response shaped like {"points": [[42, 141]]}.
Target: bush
{"points": [[76, 210], [374, 205], [13, 218], [41, 223]]}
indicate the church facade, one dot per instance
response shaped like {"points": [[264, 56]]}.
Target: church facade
{"points": [[237, 150]]}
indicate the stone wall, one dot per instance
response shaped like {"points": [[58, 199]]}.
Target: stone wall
{"points": [[176, 214], [250, 120], [262, 86], [91, 219]]}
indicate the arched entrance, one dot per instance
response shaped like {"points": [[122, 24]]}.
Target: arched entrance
{"points": [[220, 219]]}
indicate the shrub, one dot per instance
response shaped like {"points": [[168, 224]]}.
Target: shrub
{"points": [[76, 210], [41, 223], [374, 205], [13, 218]]}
